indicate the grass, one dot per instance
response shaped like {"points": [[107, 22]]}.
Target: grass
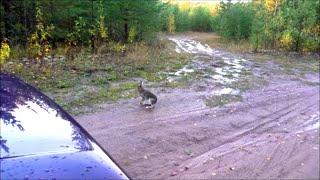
{"points": [[291, 62], [224, 99], [80, 83], [248, 81]]}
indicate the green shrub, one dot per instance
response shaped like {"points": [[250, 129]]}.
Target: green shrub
{"points": [[293, 26], [182, 20], [171, 24], [235, 21], [201, 19]]}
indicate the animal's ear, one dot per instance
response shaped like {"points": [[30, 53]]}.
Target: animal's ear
{"points": [[141, 83]]}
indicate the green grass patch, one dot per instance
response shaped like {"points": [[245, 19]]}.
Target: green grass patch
{"points": [[292, 64], [248, 82], [222, 100]]}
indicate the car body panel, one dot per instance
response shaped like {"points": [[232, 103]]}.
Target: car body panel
{"points": [[40, 140]]}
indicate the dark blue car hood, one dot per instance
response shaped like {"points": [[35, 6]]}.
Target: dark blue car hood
{"points": [[39, 139]]}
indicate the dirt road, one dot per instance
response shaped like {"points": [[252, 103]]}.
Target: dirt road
{"points": [[221, 126]]}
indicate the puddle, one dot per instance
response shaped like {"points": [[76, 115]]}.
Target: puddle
{"points": [[311, 124], [315, 118], [215, 67], [191, 46], [184, 70], [226, 91]]}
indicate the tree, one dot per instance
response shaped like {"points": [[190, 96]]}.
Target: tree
{"points": [[125, 14]]}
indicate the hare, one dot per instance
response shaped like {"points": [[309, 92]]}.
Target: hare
{"points": [[148, 98]]}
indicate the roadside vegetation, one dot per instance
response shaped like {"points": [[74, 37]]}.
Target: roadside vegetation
{"points": [[87, 52], [286, 25]]}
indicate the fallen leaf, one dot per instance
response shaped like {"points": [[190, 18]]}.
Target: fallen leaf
{"points": [[204, 162], [173, 173]]}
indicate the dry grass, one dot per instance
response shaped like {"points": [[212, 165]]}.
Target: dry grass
{"points": [[87, 79]]}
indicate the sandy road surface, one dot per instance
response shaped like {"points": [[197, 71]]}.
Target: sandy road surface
{"points": [[272, 133]]}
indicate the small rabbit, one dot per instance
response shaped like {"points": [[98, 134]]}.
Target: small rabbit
{"points": [[148, 98]]}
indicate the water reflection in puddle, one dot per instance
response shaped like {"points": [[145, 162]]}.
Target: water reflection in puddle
{"points": [[213, 65], [313, 123], [225, 91]]}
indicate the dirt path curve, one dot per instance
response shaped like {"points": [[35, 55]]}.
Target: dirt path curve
{"points": [[272, 133]]}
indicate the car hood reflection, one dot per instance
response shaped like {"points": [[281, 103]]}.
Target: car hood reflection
{"points": [[41, 130]]}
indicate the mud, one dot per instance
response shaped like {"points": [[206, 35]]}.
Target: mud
{"points": [[272, 133]]}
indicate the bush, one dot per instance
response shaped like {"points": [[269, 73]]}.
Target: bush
{"points": [[187, 19], [182, 19], [300, 21], [171, 24], [235, 21], [4, 51], [201, 19], [292, 26]]}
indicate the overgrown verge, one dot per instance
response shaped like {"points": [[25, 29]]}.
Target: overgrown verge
{"points": [[283, 25], [89, 79]]}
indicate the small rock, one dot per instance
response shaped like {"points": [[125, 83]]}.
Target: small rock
{"points": [[175, 164]]}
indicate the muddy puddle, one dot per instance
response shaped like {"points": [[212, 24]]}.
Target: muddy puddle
{"points": [[214, 70]]}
